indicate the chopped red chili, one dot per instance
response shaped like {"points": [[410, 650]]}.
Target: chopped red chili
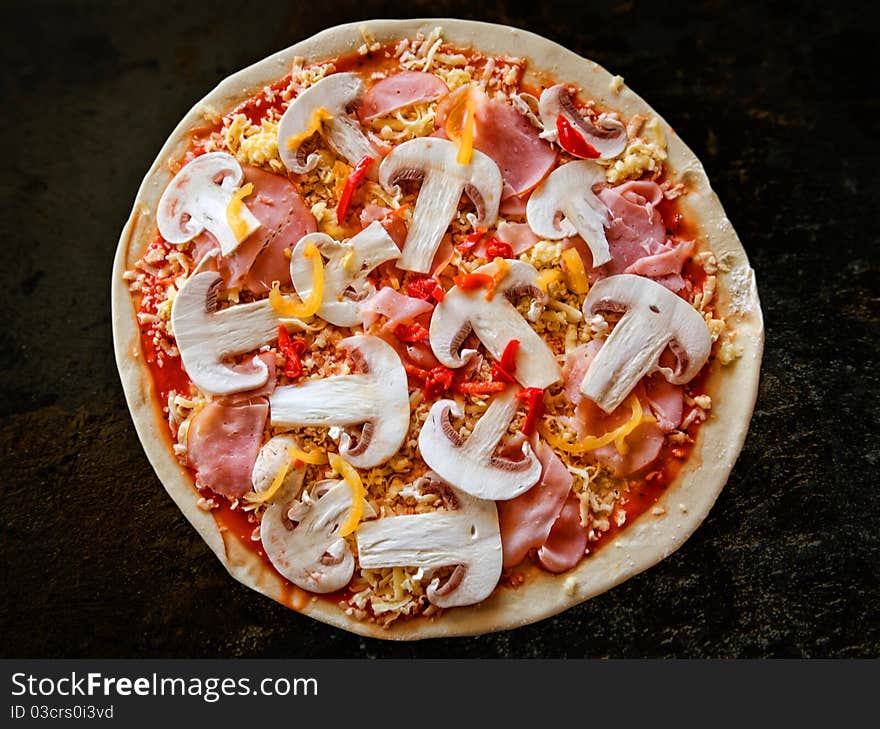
{"points": [[410, 333], [437, 381], [293, 350], [471, 240], [480, 388], [425, 288], [571, 140], [504, 369], [355, 178], [473, 281], [533, 397], [498, 249]]}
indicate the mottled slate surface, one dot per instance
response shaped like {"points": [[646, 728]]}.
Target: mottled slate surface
{"points": [[777, 103]]}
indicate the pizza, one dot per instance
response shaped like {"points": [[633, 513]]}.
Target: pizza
{"points": [[434, 328]]}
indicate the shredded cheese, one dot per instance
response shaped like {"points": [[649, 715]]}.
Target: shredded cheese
{"points": [[310, 305], [319, 116], [592, 442], [233, 211], [353, 479]]}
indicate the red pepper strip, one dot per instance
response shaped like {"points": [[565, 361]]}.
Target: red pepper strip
{"points": [[416, 372], [470, 241], [498, 249], [292, 349], [410, 333], [437, 381], [503, 370], [571, 141], [533, 397], [473, 281], [425, 288], [480, 388], [354, 179]]}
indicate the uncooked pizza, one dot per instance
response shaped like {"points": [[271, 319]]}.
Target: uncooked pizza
{"points": [[434, 330]]}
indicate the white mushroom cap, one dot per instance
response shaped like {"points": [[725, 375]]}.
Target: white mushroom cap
{"points": [[345, 273], [495, 322], [471, 465], [205, 337], [654, 319], [567, 193], [197, 199], [307, 549], [466, 535], [339, 94], [377, 398], [433, 161], [608, 138]]}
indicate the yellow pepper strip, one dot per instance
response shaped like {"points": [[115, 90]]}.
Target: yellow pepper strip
{"points": [[575, 275], [353, 479], [501, 269], [466, 147], [309, 306], [548, 276], [263, 497], [319, 116], [592, 442], [313, 457], [233, 211]]}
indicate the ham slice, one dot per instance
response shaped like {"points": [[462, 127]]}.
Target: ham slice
{"points": [[401, 90], [575, 368], [398, 307], [518, 236], [222, 445], [567, 541], [267, 389], [509, 138], [666, 401], [259, 259], [526, 521], [394, 225], [637, 229]]}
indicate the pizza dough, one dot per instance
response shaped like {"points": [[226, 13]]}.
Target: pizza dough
{"points": [[645, 541]]}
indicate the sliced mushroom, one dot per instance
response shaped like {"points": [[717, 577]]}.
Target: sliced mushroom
{"points": [[471, 465], [654, 319], [377, 399], [301, 538], [608, 138], [432, 161], [338, 94], [568, 194], [197, 199], [466, 536], [273, 456], [495, 322], [205, 336], [345, 273]]}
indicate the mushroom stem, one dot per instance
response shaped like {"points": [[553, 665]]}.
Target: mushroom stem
{"points": [[435, 206]]}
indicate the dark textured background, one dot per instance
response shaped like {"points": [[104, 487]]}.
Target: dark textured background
{"points": [[776, 101]]}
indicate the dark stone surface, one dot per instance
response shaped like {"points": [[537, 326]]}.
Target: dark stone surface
{"points": [[774, 98]]}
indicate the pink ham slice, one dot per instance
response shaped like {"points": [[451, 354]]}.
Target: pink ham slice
{"points": [[222, 444], [637, 229], [284, 219], [401, 90], [518, 236], [510, 139], [567, 541], [526, 521], [666, 400], [398, 307], [575, 368]]}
